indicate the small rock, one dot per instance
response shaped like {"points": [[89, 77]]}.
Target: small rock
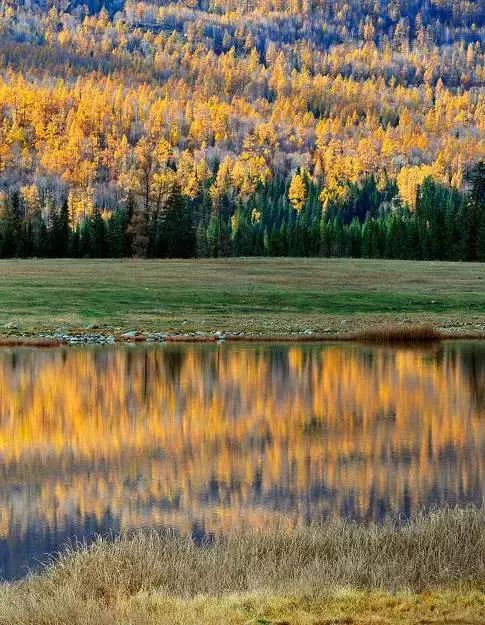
{"points": [[219, 335], [133, 335], [11, 325], [308, 332], [93, 326]]}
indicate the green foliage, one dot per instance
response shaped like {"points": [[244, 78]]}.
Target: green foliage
{"points": [[372, 223]]}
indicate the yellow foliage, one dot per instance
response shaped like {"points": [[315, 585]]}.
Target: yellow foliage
{"points": [[409, 180], [173, 93], [297, 193]]}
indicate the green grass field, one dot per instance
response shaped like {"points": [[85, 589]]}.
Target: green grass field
{"points": [[268, 296]]}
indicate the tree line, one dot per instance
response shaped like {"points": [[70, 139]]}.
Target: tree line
{"points": [[282, 218]]}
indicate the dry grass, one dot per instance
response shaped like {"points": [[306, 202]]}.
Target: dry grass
{"points": [[341, 607], [399, 334], [266, 577], [24, 341], [380, 333]]}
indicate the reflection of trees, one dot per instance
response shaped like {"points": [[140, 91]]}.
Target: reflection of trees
{"points": [[186, 434], [36, 542], [173, 361], [472, 361]]}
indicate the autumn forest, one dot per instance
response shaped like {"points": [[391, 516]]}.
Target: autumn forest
{"points": [[212, 128]]}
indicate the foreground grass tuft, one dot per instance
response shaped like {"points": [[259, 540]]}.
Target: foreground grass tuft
{"points": [[431, 569]]}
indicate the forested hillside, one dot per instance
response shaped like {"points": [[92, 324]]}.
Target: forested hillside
{"points": [[243, 127]]}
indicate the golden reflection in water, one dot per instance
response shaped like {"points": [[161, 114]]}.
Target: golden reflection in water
{"points": [[175, 435]]}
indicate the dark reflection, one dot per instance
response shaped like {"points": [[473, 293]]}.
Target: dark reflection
{"points": [[472, 358], [203, 437], [173, 361], [34, 547]]}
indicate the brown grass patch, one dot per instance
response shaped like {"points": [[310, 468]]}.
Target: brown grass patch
{"points": [[21, 341], [398, 334]]}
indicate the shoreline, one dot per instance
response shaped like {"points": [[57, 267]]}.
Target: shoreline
{"points": [[260, 299], [372, 333]]}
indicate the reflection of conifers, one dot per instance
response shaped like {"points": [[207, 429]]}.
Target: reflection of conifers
{"points": [[184, 433], [472, 359]]}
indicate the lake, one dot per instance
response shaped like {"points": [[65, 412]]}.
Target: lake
{"points": [[203, 438]]}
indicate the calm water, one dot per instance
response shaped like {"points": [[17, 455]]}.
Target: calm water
{"points": [[203, 437]]}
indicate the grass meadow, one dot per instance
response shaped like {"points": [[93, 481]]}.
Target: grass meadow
{"points": [[256, 296]]}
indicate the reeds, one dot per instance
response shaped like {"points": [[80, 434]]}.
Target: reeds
{"points": [[443, 549], [398, 334]]}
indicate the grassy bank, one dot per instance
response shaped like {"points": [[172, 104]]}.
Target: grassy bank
{"points": [[267, 296], [429, 570]]}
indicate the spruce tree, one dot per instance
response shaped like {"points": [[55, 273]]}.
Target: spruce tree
{"points": [[64, 229], [201, 244], [8, 234], [481, 238], [325, 243], [178, 229], [475, 212], [115, 234], [355, 239], [98, 235]]}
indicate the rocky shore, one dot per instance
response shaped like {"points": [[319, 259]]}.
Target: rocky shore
{"points": [[400, 330], [94, 335], [132, 336]]}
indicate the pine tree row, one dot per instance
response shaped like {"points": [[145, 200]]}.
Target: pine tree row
{"points": [[277, 220]]}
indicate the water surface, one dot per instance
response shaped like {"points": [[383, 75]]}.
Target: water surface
{"points": [[206, 437]]}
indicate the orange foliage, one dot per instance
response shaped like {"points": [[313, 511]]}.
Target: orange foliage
{"points": [[145, 432]]}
